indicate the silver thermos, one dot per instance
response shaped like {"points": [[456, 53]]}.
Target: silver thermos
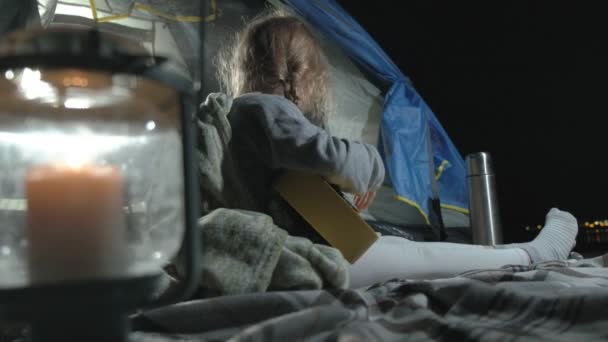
{"points": [[483, 203]]}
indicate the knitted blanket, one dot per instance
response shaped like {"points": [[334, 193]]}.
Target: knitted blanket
{"points": [[243, 251]]}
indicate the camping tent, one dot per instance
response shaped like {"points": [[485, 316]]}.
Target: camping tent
{"points": [[376, 102], [421, 160]]}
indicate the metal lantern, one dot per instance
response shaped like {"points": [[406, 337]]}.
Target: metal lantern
{"points": [[97, 190]]}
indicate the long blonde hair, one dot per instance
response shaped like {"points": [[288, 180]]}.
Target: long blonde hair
{"points": [[277, 54]]}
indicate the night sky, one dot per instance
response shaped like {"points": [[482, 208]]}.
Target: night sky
{"points": [[523, 80]]}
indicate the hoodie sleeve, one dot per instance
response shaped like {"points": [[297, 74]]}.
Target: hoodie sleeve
{"points": [[286, 139]]}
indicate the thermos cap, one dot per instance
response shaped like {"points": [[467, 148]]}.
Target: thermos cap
{"points": [[478, 164]]}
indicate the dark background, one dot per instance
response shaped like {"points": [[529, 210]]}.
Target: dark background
{"points": [[523, 80]]}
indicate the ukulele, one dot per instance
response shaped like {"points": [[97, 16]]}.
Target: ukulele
{"points": [[330, 214]]}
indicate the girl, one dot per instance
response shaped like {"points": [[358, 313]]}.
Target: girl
{"points": [[277, 75]]}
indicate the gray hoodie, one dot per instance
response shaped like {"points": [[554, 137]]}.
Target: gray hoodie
{"points": [[270, 134]]}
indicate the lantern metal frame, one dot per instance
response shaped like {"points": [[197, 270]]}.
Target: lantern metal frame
{"points": [[97, 310]]}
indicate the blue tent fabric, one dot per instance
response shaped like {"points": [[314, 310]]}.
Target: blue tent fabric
{"points": [[407, 120]]}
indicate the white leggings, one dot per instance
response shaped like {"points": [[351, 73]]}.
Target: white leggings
{"points": [[395, 257]]}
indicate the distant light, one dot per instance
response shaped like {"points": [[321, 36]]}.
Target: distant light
{"points": [[9, 74], [150, 125], [527, 228], [539, 227], [32, 87], [75, 81]]}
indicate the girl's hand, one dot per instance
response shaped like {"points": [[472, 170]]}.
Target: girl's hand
{"points": [[362, 202]]}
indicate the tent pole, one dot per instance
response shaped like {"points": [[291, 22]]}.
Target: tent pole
{"points": [[435, 199]]}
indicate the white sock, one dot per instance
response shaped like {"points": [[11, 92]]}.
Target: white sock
{"points": [[555, 240], [396, 257]]}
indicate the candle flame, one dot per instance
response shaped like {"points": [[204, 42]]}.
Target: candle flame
{"points": [[76, 161]]}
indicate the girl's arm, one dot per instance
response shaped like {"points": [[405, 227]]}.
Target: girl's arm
{"points": [[288, 140]]}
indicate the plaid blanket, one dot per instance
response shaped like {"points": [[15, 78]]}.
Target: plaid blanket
{"points": [[558, 301]]}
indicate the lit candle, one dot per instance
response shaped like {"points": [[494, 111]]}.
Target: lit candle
{"points": [[75, 223]]}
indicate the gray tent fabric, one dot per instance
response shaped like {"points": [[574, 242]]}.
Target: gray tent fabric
{"points": [[386, 208]]}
